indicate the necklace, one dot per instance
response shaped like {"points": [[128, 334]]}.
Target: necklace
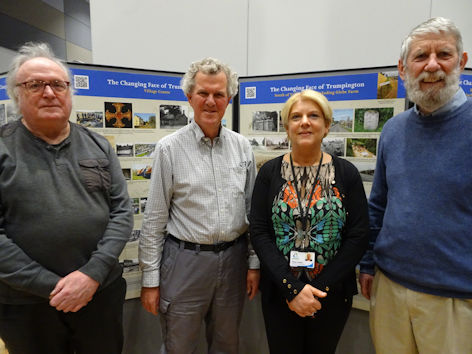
{"points": [[304, 211]]}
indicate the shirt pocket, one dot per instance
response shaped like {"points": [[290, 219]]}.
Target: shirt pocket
{"points": [[96, 174], [238, 181]]}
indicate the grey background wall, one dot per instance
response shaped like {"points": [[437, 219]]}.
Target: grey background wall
{"points": [[259, 37]]}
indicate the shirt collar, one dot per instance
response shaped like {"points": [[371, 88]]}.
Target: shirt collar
{"points": [[200, 136], [455, 102]]}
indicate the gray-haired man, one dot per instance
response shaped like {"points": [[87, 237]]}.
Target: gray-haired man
{"points": [[65, 216], [193, 246]]}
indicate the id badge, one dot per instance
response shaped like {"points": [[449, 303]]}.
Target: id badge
{"points": [[302, 259]]}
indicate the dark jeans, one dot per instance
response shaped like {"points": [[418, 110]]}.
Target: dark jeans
{"points": [[289, 333], [41, 329]]}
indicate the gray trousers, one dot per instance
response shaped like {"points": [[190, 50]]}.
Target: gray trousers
{"points": [[197, 287]]}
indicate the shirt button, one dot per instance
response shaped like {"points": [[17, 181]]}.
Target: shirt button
{"points": [[295, 291], [284, 281], [327, 288], [289, 286]]}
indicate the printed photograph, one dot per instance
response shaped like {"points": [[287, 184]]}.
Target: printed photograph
{"points": [[371, 119], [362, 147], [126, 173], [144, 120], [266, 121], [111, 140], [134, 235], [118, 115], [342, 120], [3, 114], [11, 115], [142, 204], [141, 172], [366, 169], [144, 150], [90, 119], [387, 84], [172, 116], [135, 205], [275, 142], [281, 124], [124, 150], [333, 146], [257, 142]]}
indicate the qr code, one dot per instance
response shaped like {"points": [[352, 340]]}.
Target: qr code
{"points": [[251, 92], [81, 82]]}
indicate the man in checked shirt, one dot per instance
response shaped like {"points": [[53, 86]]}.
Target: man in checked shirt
{"points": [[193, 248]]}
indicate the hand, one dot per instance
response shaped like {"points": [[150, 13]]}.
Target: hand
{"points": [[252, 282], [306, 302], [73, 292], [150, 299], [365, 280]]}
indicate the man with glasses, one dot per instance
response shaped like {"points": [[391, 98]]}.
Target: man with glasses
{"points": [[65, 216]]}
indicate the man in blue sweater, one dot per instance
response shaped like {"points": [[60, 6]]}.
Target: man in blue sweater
{"points": [[420, 205]]}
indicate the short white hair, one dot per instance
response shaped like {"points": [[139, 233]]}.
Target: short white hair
{"points": [[210, 66], [28, 51], [437, 25]]}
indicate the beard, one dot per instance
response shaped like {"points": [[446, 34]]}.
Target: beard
{"points": [[433, 98]]}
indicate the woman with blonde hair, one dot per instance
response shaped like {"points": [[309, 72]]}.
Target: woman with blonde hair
{"points": [[309, 227]]}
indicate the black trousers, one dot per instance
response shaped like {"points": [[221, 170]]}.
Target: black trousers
{"points": [[288, 333], [41, 329]]}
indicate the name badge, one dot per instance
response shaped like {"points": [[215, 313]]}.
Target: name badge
{"points": [[302, 259]]}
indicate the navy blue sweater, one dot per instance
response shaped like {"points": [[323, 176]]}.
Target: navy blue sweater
{"points": [[420, 205]]}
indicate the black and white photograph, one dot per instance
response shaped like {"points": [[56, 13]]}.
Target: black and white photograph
{"points": [[145, 120], [141, 172], [371, 119], [172, 116], [276, 142], [124, 150], [134, 235], [118, 115], [281, 124], [144, 150], [266, 121], [126, 173], [90, 119], [333, 146], [142, 205], [3, 114], [11, 113], [361, 147], [342, 121], [257, 142], [366, 169]]}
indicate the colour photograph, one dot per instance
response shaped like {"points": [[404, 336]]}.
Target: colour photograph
{"points": [[144, 150], [141, 172], [362, 147], [387, 85], [144, 120], [342, 120], [90, 119], [118, 115], [371, 119]]}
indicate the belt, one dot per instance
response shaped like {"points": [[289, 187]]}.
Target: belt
{"points": [[202, 247]]}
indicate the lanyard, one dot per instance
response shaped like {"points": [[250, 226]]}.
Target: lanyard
{"points": [[303, 216]]}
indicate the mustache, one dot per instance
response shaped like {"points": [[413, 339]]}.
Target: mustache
{"points": [[431, 77]]}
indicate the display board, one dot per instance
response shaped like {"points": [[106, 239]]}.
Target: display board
{"points": [[362, 100], [133, 109]]}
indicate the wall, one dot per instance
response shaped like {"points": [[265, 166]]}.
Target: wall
{"points": [[261, 37], [64, 24]]}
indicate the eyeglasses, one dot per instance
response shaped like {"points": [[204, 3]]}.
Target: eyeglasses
{"points": [[35, 86]]}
